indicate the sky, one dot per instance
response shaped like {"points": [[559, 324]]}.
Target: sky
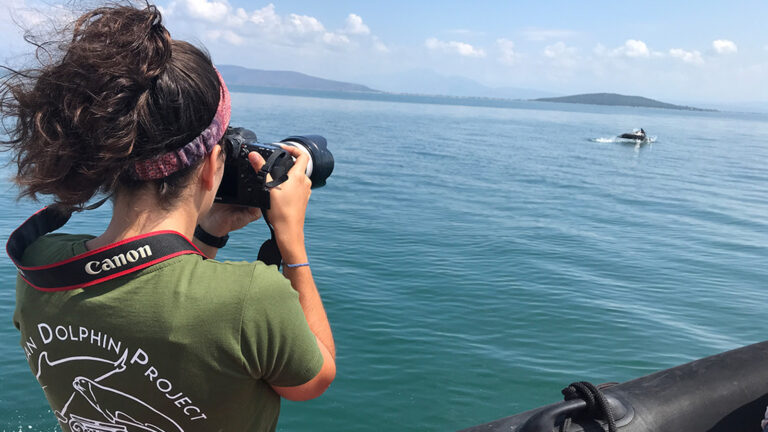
{"points": [[708, 51]]}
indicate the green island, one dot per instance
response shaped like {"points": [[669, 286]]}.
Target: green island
{"points": [[614, 99]]}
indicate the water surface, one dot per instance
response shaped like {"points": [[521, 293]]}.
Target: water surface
{"points": [[474, 261]]}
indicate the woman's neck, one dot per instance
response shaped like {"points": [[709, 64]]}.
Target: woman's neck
{"points": [[141, 214]]}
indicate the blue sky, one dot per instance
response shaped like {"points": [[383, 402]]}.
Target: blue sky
{"points": [[677, 51]]}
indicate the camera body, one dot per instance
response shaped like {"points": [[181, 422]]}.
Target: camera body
{"points": [[242, 185]]}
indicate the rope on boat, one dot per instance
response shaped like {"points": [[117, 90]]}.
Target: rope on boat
{"points": [[597, 404]]}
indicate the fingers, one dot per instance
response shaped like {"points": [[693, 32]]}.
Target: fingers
{"points": [[302, 160], [299, 168], [293, 150], [256, 160]]}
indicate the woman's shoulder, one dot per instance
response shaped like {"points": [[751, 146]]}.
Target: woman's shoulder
{"points": [[246, 273], [51, 248], [258, 273], [259, 280]]}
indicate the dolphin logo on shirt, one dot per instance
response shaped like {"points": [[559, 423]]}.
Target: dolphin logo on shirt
{"points": [[123, 409], [108, 366]]}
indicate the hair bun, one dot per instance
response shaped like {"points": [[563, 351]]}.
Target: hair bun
{"points": [[157, 45], [114, 96], [157, 17], [132, 41]]}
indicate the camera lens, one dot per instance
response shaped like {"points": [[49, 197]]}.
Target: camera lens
{"points": [[320, 164]]}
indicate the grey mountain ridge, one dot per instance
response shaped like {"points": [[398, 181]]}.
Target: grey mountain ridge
{"points": [[240, 76], [421, 83], [428, 82], [415, 82]]}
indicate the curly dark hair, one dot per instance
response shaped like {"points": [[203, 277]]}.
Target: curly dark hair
{"points": [[120, 91]]}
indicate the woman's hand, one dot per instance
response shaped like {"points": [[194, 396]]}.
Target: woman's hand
{"points": [[222, 219], [288, 206]]}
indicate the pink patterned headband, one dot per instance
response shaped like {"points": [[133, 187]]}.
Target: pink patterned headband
{"points": [[168, 163]]}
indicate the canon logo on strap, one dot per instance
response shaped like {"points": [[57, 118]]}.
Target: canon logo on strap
{"points": [[100, 265], [96, 267]]}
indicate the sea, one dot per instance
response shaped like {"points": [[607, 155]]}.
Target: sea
{"points": [[475, 260]]}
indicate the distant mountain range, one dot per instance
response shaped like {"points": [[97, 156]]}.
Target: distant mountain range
{"points": [[422, 83], [415, 82], [240, 76], [428, 82], [614, 99]]}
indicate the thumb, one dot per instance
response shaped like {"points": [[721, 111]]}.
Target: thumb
{"points": [[256, 160]]}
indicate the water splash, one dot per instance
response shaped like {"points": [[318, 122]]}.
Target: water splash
{"points": [[616, 139]]}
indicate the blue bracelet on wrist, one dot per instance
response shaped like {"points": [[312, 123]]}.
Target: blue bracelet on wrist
{"points": [[306, 264]]}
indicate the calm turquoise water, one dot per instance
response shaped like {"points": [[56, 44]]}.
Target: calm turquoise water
{"points": [[474, 261]]}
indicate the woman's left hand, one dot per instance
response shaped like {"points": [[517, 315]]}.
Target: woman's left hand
{"points": [[222, 219]]}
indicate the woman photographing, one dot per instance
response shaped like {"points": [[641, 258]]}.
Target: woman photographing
{"points": [[185, 343]]}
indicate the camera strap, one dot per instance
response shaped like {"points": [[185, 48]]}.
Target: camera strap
{"points": [[96, 266], [269, 253], [275, 165]]}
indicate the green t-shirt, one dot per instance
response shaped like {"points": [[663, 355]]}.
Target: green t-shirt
{"points": [[184, 345]]}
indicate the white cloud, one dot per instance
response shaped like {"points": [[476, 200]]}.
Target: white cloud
{"points": [[634, 48], [355, 25], [217, 20], [564, 58], [335, 39], [507, 51], [212, 11], [453, 47], [559, 50], [264, 17], [693, 57], [303, 24], [226, 35], [379, 45], [724, 46], [600, 50]]}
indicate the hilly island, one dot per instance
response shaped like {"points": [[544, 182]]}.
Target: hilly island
{"points": [[248, 80], [614, 99]]}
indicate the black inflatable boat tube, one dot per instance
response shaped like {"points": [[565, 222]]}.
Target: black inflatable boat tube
{"points": [[726, 392]]}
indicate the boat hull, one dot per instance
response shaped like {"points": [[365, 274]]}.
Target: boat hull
{"points": [[727, 392]]}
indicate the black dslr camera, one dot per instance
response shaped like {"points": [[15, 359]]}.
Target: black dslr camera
{"points": [[242, 185]]}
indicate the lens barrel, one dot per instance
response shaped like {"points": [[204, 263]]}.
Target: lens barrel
{"points": [[322, 159]]}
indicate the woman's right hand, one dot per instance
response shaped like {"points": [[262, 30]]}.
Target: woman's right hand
{"points": [[288, 206]]}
